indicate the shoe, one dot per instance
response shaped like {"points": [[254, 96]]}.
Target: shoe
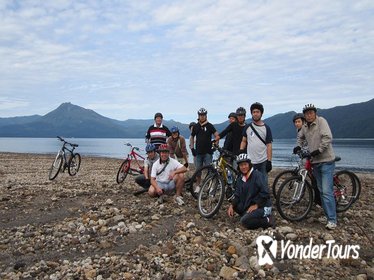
{"points": [[331, 225], [179, 200], [160, 199], [271, 221], [197, 189]]}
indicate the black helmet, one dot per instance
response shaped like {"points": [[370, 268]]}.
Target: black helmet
{"points": [[241, 111], [232, 115], [298, 116], [309, 107], [258, 106], [243, 158], [158, 115], [191, 125], [202, 111]]}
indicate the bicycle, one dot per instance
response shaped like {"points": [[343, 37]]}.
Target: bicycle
{"points": [[285, 174], [296, 194], [216, 183], [131, 164], [72, 164]]}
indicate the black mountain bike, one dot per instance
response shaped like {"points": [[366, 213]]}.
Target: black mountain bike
{"points": [[61, 162]]}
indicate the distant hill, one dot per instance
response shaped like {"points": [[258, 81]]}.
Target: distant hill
{"points": [[68, 120]]}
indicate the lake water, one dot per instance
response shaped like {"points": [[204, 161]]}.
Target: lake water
{"points": [[356, 154]]}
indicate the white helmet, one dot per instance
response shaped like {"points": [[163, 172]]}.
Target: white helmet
{"points": [[243, 158]]}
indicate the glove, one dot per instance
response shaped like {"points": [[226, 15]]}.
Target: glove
{"points": [[186, 164], [296, 149], [193, 150], [269, 166], [315, 153]]}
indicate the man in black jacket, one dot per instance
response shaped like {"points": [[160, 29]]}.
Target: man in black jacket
{"points": [[251, 198]]}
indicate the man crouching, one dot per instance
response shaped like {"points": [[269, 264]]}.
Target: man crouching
{"points": [[167, 174], [251, 198]]}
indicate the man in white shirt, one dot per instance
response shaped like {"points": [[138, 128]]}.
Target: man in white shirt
{"points": [[167, 174]]}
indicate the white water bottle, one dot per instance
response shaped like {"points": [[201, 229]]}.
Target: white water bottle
{"points": [[229, 177]]}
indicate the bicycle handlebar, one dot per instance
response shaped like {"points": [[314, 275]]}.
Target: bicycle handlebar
{"points": [[66, 142], [224, 152], [133, 147]]}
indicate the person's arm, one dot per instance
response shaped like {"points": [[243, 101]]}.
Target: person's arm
{"points": [[145, 172], [184, 149], [269, 151], [263, 191], [326, 135], [225, 131], [154, 184], [243, 144]]}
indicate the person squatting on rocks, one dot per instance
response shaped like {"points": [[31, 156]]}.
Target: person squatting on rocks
{"points": [[318, 135], [258, 139], [177, 146], [158, 132], [167, 175], [144, 180], [251, 198]]}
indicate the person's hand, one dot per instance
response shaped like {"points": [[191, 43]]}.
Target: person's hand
{"points": [[230, 211], [217, 138], [171, 175], [193, 150], [252, 208], [315, 153], [186, 164], [269, 166], [159, 191], [296, 149]]}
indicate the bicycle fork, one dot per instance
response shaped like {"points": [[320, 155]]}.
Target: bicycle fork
{"points": [[299, 185]]}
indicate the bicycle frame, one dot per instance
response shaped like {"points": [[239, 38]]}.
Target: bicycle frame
{"points": [[133, 156]]}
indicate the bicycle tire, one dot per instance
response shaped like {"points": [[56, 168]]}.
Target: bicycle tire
{"points": [[74, 164], [294, 208], [123, 171], [279, 179], [344, 190], [56, 167], [358, 184], [205, 172], [211, 196]]}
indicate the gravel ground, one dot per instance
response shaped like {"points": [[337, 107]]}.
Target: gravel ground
{"points": [[89, 227]]}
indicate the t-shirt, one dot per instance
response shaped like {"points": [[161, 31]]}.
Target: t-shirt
{"points": [[157, 135], [203, 135], [256, 149], [163, 177], [149, 163], [237, 133]]}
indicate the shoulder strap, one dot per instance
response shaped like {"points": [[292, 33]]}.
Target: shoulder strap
{"points": [[163, 169], [258, 135]]}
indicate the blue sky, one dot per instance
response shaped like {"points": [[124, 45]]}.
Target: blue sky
{"points": [[130, 59]]}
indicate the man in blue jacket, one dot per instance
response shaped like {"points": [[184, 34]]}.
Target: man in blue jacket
{"points": [[251, 198]]}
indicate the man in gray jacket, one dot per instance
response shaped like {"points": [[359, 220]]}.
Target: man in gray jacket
{"points": [[317, 133]]}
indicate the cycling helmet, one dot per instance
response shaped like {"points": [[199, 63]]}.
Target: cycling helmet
{"points": [[174, 129], [163, 148], [243, 158], [232, 115], [298, 116], [191, 125], [258, 106], [202, 111], [241, 111], [309, 107], [150, 148], [157, 115]]}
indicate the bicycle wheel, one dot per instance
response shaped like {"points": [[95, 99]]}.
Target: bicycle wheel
{"points": [[344, 190], [294, 199], [55, 168], [279, 179], [211, 196], [194, 186], [74, 164], [123, 171]]}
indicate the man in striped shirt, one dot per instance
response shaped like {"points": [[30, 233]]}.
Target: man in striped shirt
{"points": [[157, 133]]}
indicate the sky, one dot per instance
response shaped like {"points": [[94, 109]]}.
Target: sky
{"points": [[131, 59]]}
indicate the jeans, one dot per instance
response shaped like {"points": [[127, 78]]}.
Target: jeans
{"points": [[259, 218], [324, 174], [262, 168], [203, 159]]}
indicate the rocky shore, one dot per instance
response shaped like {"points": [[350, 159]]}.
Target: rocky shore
{"points": [[89, 227]]}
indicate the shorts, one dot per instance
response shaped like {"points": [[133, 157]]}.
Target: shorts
{"points": [[166, 186]]}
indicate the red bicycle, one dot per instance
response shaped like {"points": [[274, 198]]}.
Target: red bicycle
{"points": [[132, 164]]}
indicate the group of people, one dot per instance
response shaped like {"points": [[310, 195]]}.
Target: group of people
{"points": [[167, 160]]}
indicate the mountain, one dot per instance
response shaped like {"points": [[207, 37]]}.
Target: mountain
{"points": [[68, 120]]}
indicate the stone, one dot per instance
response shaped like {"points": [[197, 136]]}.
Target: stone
{"points": [[227, 272]]}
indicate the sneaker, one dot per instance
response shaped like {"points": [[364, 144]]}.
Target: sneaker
{"points": [[331, 225], [271, 221], [179, 200], [160, 199], [197, 189]]}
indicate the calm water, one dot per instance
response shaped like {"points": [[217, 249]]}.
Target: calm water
{"points": [[356, 154]]}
